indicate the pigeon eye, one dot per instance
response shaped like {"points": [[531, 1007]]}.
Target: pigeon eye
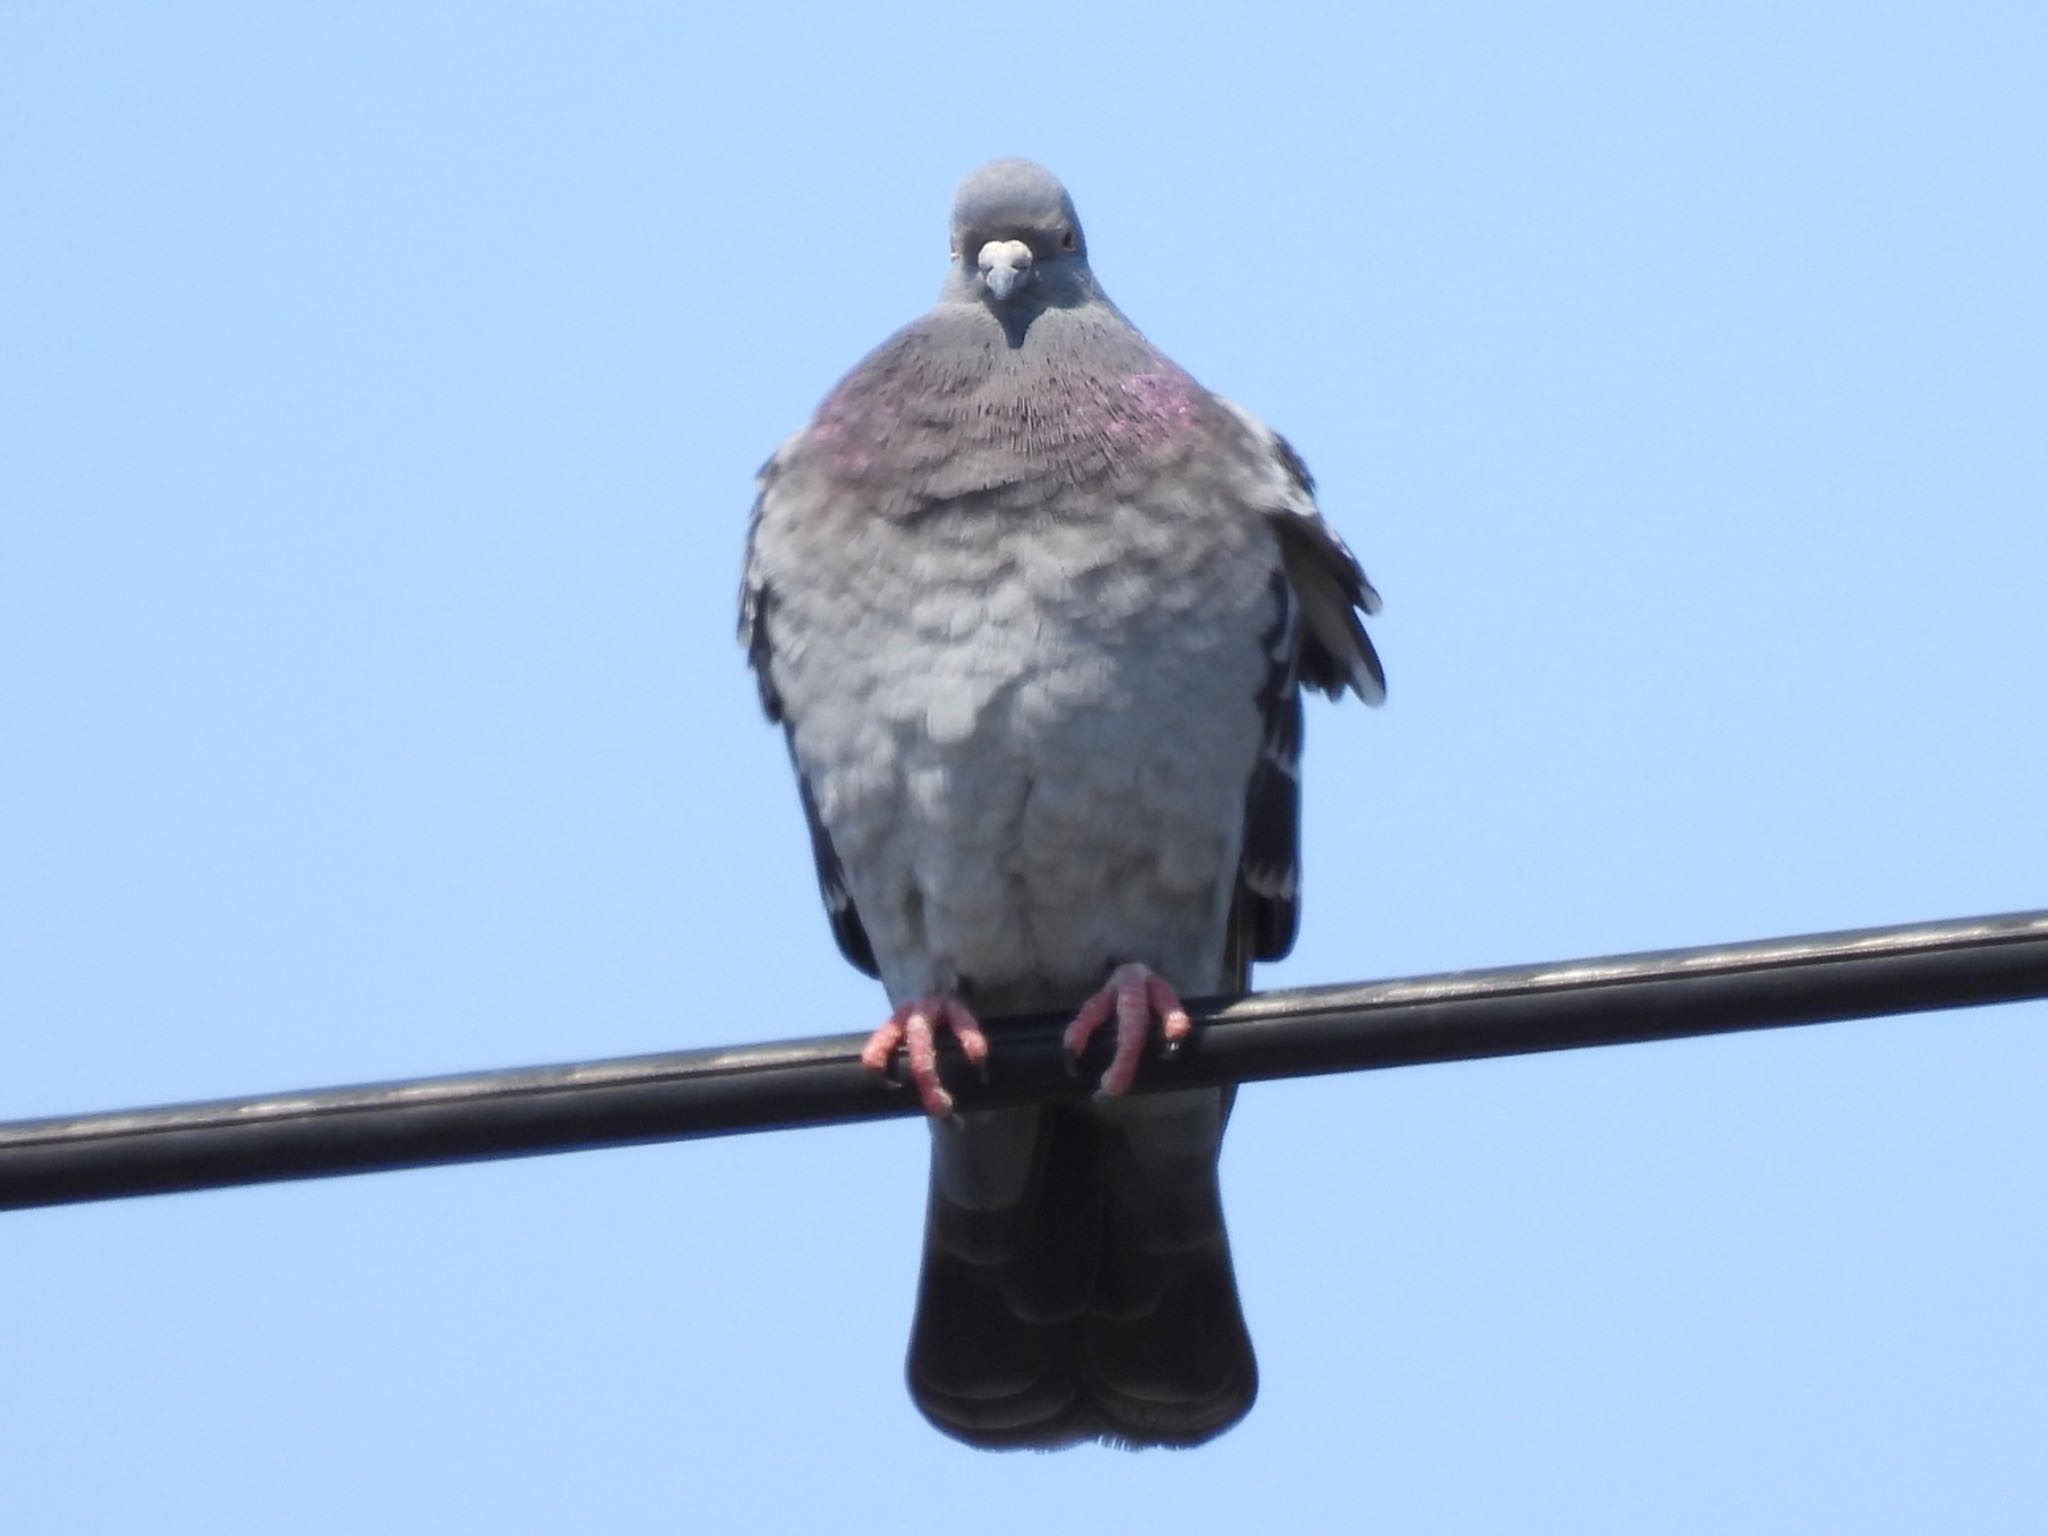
{"points": [[1067, 240]]}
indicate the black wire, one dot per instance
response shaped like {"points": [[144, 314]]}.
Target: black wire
{"points": [[1669, 995]]}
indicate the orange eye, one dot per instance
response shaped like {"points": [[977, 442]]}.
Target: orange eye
{"points": [[1067, 240]]}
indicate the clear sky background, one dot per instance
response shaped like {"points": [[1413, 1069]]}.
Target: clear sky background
{"points": [[379, 391]]}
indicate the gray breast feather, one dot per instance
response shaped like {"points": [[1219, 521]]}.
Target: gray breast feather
{"points": [[1026, 743], [1035, 728]]}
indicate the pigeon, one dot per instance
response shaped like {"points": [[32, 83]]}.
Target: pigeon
{"points": [[1035, 611]]}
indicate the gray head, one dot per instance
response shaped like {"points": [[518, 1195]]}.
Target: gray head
{"points": [[1017, 242]]}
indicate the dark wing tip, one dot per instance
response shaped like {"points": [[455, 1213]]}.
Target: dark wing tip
{"points": [[1336, 652], [847, 927]]}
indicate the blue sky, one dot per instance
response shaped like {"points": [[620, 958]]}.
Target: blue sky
{"points": [[379, 391]]}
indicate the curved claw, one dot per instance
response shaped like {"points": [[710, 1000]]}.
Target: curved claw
{"points": [[914, 1026], [1135, 994]]}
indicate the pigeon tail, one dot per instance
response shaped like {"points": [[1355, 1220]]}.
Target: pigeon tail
{"points": [[1101, 1305]]}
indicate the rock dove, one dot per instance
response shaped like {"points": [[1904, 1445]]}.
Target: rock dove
{"points": [[1035, 610]]}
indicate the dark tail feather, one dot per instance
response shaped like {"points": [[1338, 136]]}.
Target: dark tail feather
{"points": [[1164, 1348], [1006, 1273]]}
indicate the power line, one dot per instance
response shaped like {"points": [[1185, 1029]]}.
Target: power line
{"points": [[1459, 1016]]}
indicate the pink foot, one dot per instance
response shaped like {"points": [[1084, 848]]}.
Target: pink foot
{"points": [[1135, 993], [912, 1026]]}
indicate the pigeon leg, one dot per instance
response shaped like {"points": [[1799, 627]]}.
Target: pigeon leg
{"points": [[1134, 993], [913, 1027]]}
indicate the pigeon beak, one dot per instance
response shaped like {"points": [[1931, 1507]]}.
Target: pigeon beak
{"points": [[1005, 267]]}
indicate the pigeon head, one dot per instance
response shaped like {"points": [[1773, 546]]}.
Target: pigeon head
{"points": [[1017, 242]]}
